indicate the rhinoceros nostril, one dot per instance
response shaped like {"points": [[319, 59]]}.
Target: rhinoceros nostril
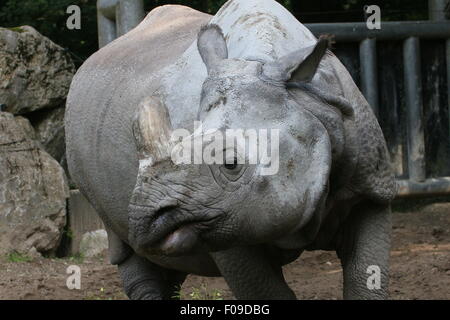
{"points": [[145, 223]]}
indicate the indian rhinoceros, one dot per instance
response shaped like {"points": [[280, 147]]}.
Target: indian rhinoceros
{"points": [[252, 65]]}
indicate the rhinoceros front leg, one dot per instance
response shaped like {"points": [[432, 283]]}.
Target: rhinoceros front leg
{"points": [[144, 280], [364, 252], [251, 275]]}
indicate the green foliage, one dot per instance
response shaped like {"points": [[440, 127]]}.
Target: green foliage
{"points": [[17, 257], [77, 258], [202, 293], [16, 29], [69, 233]]}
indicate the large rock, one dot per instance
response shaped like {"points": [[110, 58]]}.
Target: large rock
{"points": [[33, 191], [35, 72], [94, 243], [49, 127]]}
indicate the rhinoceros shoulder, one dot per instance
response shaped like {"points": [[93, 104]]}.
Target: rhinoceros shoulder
{"points": [[373, 176]]}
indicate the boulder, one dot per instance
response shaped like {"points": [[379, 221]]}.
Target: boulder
{"points": [[49, 127], [36, 73], [94, 243], [33, 191]]}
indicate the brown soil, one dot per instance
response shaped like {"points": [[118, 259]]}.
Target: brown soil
{"points": [[420, 268]]}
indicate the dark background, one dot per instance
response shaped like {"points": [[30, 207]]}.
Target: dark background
{"points": [[49, 16]]}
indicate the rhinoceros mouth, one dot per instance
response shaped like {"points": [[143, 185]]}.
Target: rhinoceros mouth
{"points": [[169, 231]]}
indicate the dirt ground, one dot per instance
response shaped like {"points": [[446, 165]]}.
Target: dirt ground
{"points": [[420, 267]]}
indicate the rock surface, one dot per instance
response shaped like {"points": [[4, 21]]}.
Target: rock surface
{"points": [[94, 243], [36, 73], [33, 191], [49, 127]]}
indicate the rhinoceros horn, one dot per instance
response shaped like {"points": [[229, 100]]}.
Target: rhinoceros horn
{"points": [[152, 130]]}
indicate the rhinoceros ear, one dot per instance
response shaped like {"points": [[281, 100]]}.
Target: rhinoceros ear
{"points": [[152, 130], [299, 66], [212, 45]]}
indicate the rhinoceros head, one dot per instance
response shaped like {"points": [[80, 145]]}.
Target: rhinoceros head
{"points": [[180, 206]]}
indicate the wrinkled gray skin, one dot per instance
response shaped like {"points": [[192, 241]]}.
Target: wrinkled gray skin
{"points": [[332, 191]]}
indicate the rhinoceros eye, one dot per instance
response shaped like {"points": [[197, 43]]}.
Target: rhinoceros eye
{"points": [[232, 174], [231, 166], [231, 169]]}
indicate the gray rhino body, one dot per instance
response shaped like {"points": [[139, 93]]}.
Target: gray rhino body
{"points": [[333, 188]]}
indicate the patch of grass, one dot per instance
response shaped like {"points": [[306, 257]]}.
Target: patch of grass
{"points": [[203, 293], [177, 295], [69, 233], [18, 257], [16, 29], [77, 258], [100, 295]]}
